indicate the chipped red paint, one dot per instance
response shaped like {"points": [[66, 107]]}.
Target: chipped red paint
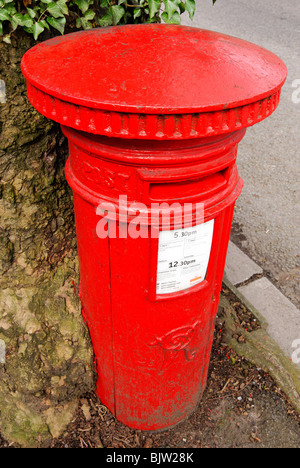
{"points": [[156, 113]]}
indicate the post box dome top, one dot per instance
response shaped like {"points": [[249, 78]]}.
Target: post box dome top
{"points": [[153, 81]]}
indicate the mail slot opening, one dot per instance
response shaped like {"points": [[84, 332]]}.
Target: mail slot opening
{"points": [[182, 190]]}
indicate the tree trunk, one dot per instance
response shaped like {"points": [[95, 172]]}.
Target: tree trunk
{"points": [[48, 361]]}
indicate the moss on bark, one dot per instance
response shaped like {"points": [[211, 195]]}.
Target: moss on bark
{"points": [[49, 357], [261, 350]]}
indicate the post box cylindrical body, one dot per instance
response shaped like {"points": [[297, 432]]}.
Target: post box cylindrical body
{"points": [[152, 266], [153, 171]]}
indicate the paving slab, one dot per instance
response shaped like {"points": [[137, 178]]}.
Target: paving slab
{"points": [[239, 267], [282, 316], [267, 213]]}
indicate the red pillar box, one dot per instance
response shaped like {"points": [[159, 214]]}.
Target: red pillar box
{"points": [[153, 115]]}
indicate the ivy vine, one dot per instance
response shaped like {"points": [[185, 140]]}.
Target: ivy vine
{"points": [[37, 16]]}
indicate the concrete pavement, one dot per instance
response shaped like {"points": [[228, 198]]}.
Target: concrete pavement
{"points": [[281, 315], [266, 230], [267, 215]]}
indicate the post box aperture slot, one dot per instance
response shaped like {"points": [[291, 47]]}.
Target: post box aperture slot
{"points": [[189, 189]]}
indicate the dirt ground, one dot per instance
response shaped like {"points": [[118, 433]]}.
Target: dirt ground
{"points": [[241, 408]]}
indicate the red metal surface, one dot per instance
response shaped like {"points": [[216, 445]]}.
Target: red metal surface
{"points": [[154, 113], [153, 82], [152, 351]]}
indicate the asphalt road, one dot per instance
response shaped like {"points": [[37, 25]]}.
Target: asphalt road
{"points": [[267, 215]]}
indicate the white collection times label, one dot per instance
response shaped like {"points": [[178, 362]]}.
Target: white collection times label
{"points": [[183, 257]]}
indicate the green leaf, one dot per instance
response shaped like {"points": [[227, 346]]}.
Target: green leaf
{"points": [[7, 39], [190, 6], [171, 7], [63, 7], [84, 21], [4, 15], [106, 20], [37, 29], [89, 15], [55, 10], [117, 13], [5, 2], [83, 5], [57, 23], [137, 13], [17, 20], [182, 7], [27, 21], [10, 9], [233, 360], [45, 14], [45, 24], [175, 19], [31, 12], [87, 24], [154, 7]]}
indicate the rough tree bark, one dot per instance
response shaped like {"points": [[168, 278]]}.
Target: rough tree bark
{"points": [[49, 357]]}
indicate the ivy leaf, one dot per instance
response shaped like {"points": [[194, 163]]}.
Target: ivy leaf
{"points": [[57, 23], [175, 19], [117, 13], [89, 15], [63, 7], [17, 20], [83, 23], [106, 20], [4, 15], [190, 6], [31, 12], [137, 13], [83, 5], [182, 7], [171, 7], [37, 29], [7, 39], [45, 24], [113, 16], [27, 21], [38, 15], [154, 7], [55, 10]]}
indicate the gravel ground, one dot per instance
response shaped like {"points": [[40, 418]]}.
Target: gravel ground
{"points": [[242, 407]]}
